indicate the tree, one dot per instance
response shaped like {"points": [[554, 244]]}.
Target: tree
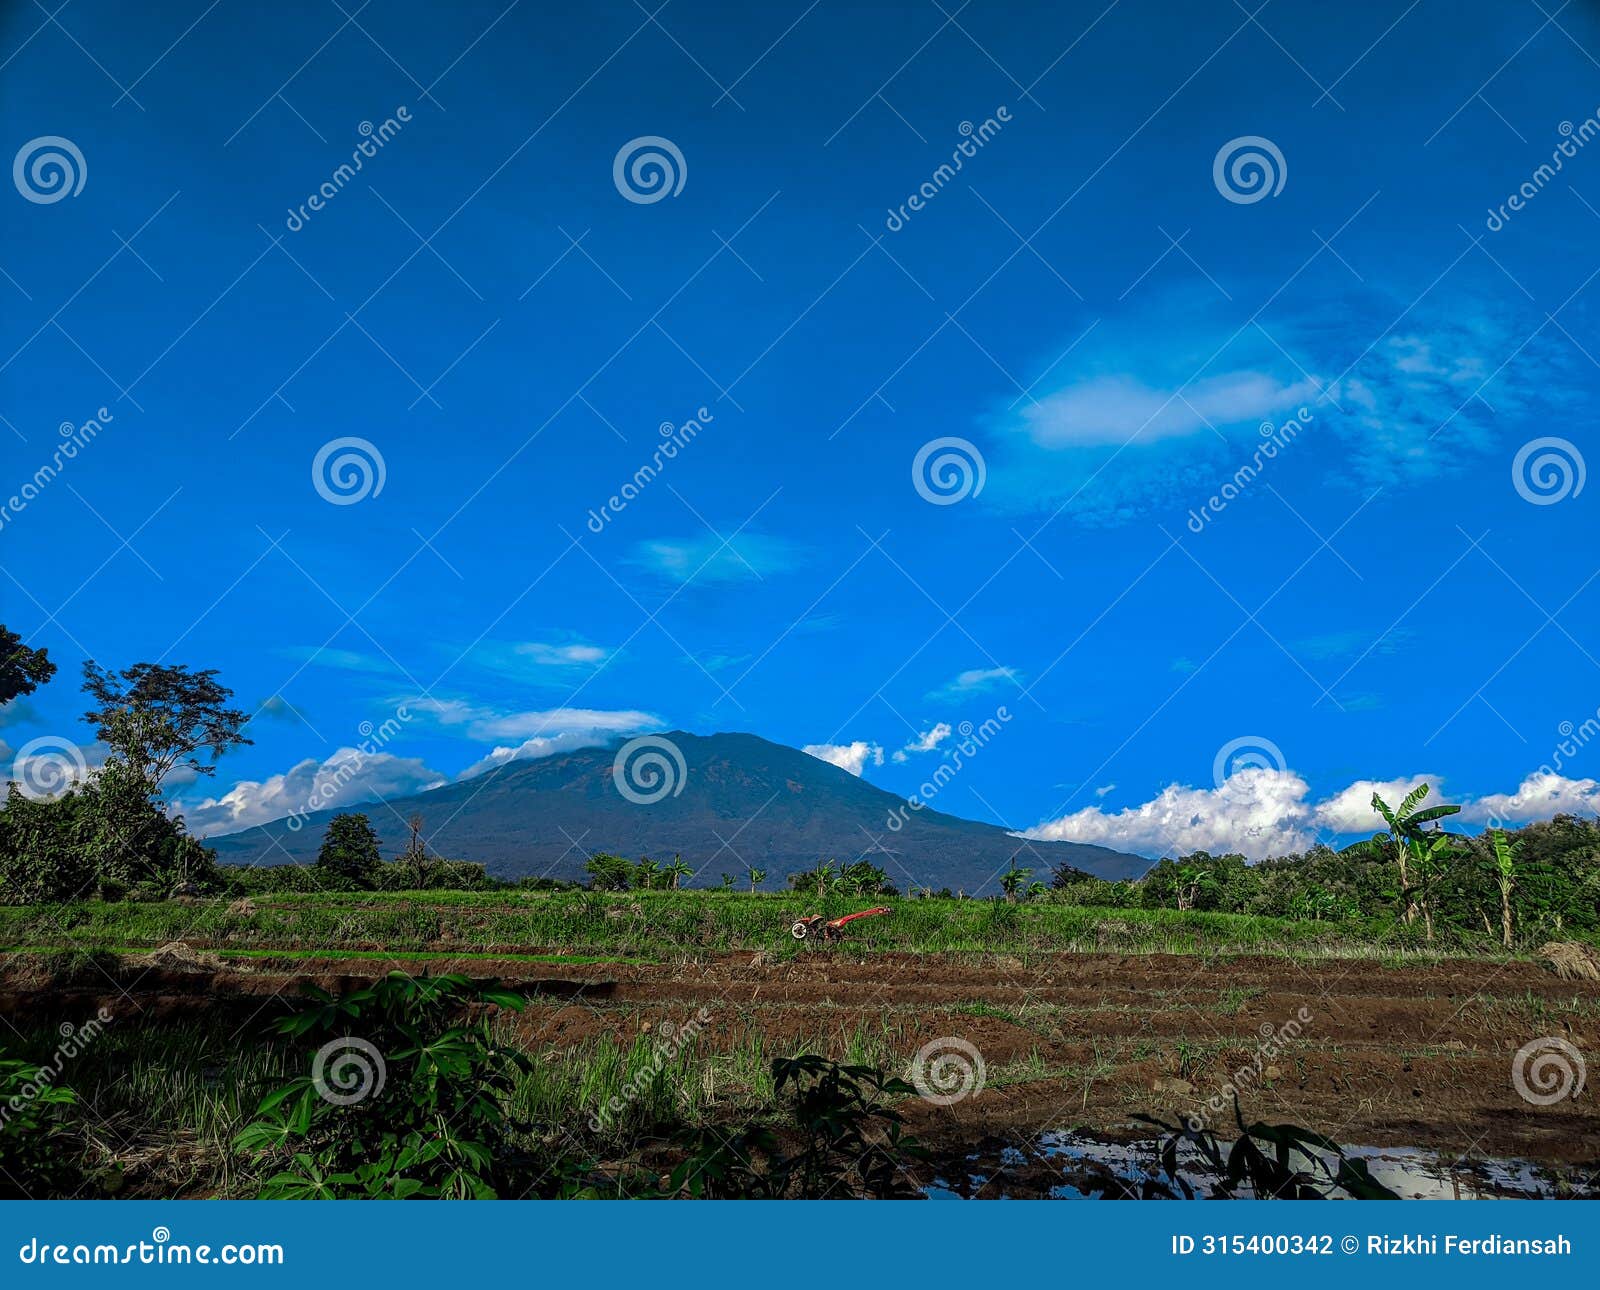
{"points": [[350, 849], [644, 873], [727, 882], [155, 718], [1416, 852], [22, 670], [676, 872], [1012, 881], [608, 872], [757, 877]]}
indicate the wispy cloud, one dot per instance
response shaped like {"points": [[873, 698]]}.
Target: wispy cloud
{"points": [[976, 680], [710, 560], [347, 777], [479, 721], [927, 741]]}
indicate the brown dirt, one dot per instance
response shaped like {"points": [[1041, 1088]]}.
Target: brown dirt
{"points": [[1417, 1056]]}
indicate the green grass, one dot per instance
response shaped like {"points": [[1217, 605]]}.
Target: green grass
{"points": [[573, 926]]}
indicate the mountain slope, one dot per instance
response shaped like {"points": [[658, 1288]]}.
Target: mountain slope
{"points": [[743, 801]]}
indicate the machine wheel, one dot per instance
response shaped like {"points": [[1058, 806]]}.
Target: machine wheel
{"points": [[800, 930]]}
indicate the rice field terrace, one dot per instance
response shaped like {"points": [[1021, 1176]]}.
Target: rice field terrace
{"points": [[1065, 1022]]}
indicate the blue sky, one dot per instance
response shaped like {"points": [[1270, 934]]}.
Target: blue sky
{"points": [[1104, 322]]}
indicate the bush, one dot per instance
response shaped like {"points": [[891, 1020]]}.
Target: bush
{"points": [[40, 1151], [414, 1106]]}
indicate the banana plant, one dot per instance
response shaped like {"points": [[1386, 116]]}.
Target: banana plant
{"points": [[1505, 864], [1419, 854]]}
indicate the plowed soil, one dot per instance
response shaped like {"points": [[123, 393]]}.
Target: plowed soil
{"points": [[1418, 1056]]}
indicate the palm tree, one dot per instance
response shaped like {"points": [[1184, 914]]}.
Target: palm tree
{"points": [[757, 877], [645, 873], [824, 877], [677, 871], [1419, 854], [1036, 889]]}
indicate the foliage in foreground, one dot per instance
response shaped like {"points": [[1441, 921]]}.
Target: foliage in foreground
{"points": [[415, 1106]]}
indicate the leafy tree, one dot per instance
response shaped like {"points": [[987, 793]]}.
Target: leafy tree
{"points": [[350, 849], [156, 718], [727, 882], [645, 873], [675, 872], [22, 670], [608, 872], [1012, 881], [757, 877]]}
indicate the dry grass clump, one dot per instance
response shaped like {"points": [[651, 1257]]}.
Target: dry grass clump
{"points": [[1571, 960]]}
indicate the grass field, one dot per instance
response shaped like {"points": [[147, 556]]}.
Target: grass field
{"points": [[666, 924]]}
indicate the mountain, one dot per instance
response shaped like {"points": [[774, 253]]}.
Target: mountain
{"points": [[740, 800]]}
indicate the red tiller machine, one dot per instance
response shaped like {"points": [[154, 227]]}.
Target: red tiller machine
{"points": [[814, 927]]}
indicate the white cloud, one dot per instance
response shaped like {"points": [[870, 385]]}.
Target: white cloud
{"points": [[1539, 797], [1111, 410], [852, 757], [345, 778], [974, 681], [1350, 810], [1260, 812], [927, 741], [1105, 789]]}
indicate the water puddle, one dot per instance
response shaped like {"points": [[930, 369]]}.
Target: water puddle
{"points": [[1077, 1166]]}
